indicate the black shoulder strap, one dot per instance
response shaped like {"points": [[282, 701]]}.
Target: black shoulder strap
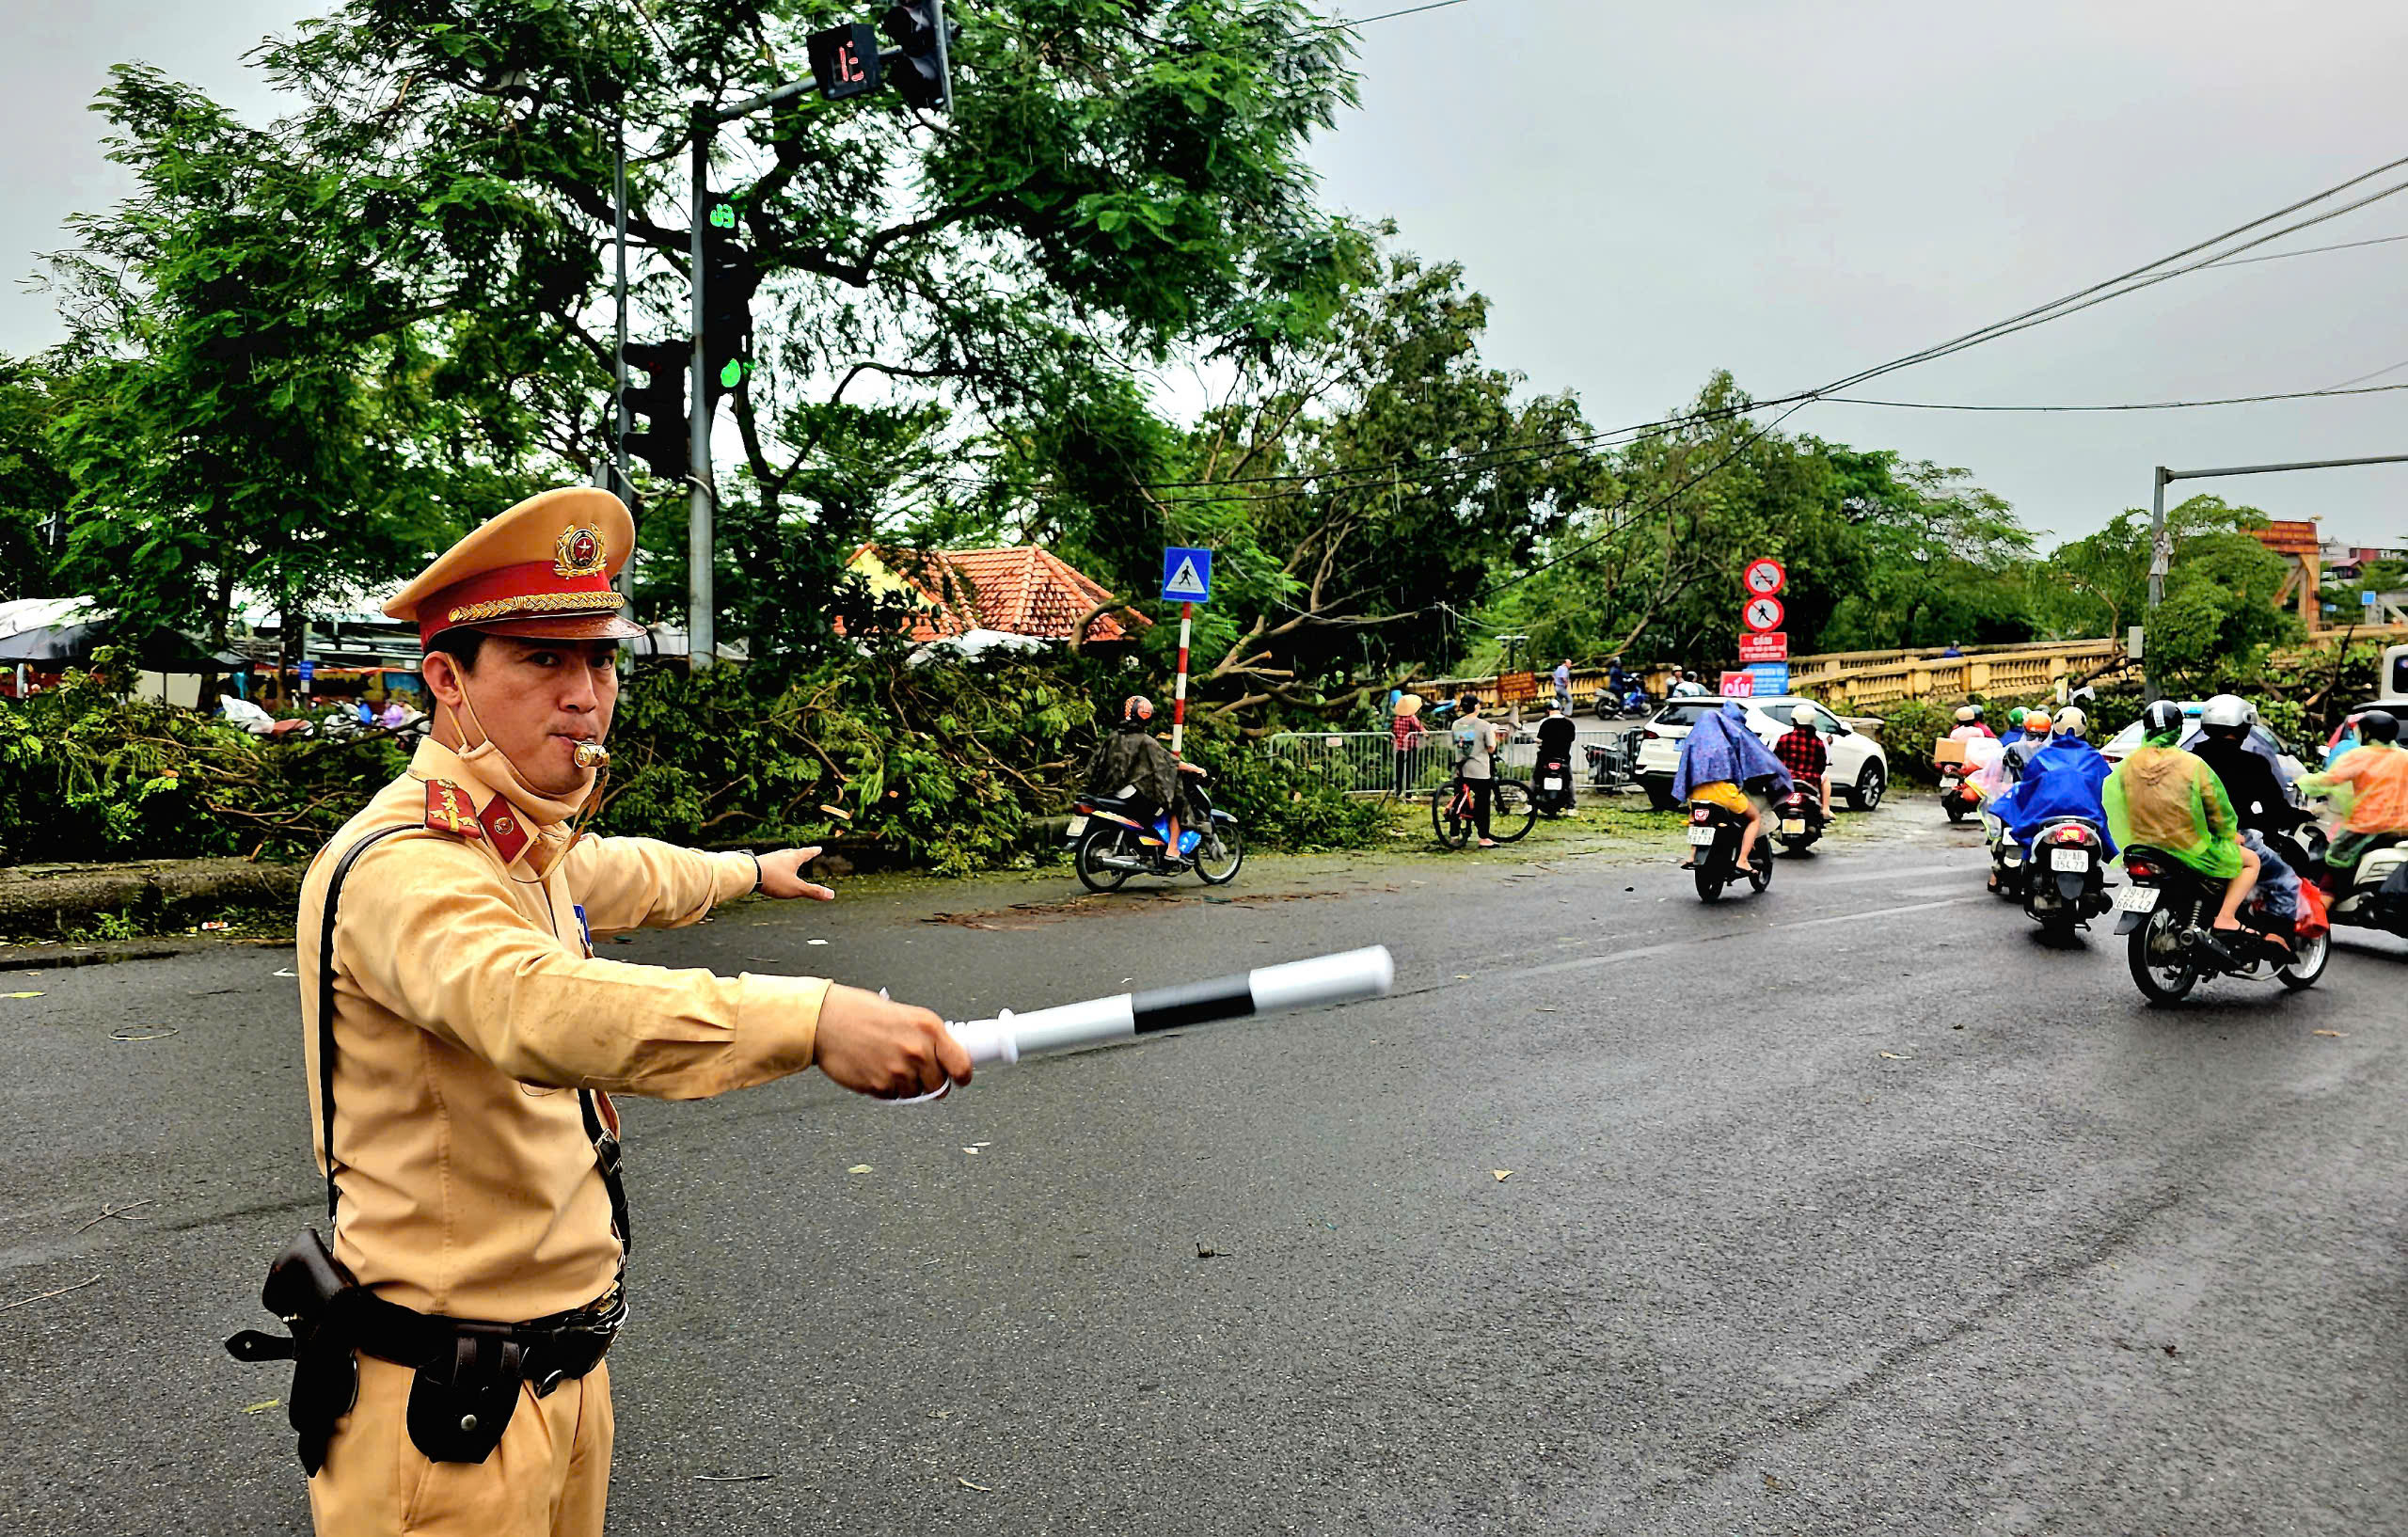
{"points": [[327, 1002]]}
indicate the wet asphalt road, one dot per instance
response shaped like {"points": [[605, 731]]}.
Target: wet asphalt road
{"points": [[1845, 1209]]}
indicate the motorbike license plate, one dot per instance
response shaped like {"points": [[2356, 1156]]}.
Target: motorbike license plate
{"points": [[2136, 899], [1794, 825], [2069, 859], [1078, 825], [1552, 781], [1701, 836]]}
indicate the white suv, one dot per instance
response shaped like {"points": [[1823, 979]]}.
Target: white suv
{"points": [[1860, 771]]}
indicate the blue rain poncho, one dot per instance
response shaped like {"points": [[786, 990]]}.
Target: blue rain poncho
{"points": [[1720, 747], [2064, 778]]}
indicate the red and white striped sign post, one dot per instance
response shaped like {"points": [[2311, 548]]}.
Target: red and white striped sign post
{"points": [[1178, 689]]}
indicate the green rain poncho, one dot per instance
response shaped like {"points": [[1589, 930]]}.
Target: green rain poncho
{"points": [[2171, 800]]}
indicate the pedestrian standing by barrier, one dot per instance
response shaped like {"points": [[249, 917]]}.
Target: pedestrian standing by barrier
{"points": [[462, 1044], [1405, 735], [1564, 686]]}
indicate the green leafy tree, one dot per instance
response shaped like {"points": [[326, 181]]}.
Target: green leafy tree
{"points": [[33, 488], [2219, 617]]}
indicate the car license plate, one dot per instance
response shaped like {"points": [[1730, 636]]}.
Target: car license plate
{"points": [[1078, 825], [1794, 825], [2137, 900], [2069, 859], [1701, 836]]}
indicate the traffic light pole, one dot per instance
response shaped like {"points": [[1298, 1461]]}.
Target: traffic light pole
{"points": [[2160, 539], [702, 648]]}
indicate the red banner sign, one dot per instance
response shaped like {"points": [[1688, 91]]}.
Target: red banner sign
{"points": [[1738, 686], [1773, 647]]}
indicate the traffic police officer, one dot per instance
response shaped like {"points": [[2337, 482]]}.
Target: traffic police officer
{"points": [[479, 1234]]}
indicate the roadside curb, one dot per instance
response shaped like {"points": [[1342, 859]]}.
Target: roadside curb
{"points": [[43, 957], [54, 899]]}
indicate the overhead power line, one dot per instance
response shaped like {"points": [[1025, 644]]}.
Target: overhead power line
{"points": [[1385, 16], [2308, 250], [2133, 406]]}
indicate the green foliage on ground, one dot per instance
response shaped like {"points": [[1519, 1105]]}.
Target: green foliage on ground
{"points": [[941, 767]]}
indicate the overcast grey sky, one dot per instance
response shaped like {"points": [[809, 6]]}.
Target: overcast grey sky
{"points": [[1648, 192]]}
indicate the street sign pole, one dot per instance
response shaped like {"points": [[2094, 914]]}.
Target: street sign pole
{"points": [[1178, 689]]}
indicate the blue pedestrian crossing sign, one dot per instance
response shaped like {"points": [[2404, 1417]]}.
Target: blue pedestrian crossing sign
{"points": [[1187, 575]]}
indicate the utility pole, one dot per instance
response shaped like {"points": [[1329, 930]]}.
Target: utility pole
{"points": [[702, 649]]}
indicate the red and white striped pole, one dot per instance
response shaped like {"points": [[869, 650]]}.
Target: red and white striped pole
{"points": [[1179, 690]]}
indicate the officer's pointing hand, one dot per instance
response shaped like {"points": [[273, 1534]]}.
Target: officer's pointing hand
{"points": [[889, 1050], [781, 874]]}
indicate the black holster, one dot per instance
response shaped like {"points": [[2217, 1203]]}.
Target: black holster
{"points": [[311, 1291]]}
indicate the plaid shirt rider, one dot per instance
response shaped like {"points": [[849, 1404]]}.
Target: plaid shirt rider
{"points": [[1803, 753]]}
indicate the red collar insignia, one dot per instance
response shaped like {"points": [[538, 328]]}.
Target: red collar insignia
{"points": [[505, 827]]}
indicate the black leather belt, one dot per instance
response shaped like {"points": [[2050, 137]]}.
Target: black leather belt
{"points": [[550, 1350]]}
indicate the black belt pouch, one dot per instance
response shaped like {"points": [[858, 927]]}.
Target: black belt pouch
{"points": [[462, 1400]]}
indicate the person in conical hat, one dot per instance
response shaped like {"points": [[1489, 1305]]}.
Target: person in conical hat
{"points": [[463, 1041]]}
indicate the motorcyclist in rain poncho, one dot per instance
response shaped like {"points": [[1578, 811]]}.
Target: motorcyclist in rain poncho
{"points": [[2169, 799], [2062, 779], [1721, 759]]}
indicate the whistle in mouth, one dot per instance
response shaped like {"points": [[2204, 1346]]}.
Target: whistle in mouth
{"points": [[591, 755]]}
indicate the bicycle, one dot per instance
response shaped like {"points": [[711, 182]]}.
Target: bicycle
{"points": [[1511, 812]]}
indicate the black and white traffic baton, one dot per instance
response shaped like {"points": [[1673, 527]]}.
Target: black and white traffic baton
{"points": [[1341, 979]]}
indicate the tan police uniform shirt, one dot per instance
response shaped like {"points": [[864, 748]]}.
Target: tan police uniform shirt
{"points": [[469, 1012]]}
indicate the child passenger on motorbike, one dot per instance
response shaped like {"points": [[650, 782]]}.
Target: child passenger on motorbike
{"points": [[2168, 799]]}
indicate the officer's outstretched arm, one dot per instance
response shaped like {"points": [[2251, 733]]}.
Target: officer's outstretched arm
{"points": [[428, 934], [643, 882]]}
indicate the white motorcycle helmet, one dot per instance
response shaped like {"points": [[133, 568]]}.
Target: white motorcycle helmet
{"points": [[2227, 712]]}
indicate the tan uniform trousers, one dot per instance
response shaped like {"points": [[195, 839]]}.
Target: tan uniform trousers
{"points": [[550, 1477]]}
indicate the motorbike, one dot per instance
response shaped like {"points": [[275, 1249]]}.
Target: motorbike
{"points": [[2065, 882], [1958, 797], [2008, 867], [1551, 787], [2359, 898], [1798, 819], [1629, 702], [1714, 842], [1114, 836], [2168, 910]]}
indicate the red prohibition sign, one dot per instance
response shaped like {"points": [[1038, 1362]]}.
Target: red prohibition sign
{"points": [[1762, 614], [1764, 576]]}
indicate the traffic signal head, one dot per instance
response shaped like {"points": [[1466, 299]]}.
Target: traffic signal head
{"points": [[656, 411], [728, 280], [844, 61], [920, 64]]}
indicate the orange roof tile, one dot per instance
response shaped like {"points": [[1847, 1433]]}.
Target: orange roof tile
{"points": [[1020, 591]]}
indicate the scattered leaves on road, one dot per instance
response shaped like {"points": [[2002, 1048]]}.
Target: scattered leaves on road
{"points": [[2335, 1034], [967, 1484], [859, 1169], [25, 995], [263, 1406], [143, 1032], [1502, 1175], [1898, 1056]]}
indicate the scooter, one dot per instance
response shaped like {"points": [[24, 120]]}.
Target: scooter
{"points": [[1551, 787], [1713, 843], [1958, 797], [2360, 898], [2065, 883], [1630, 702], [2009, 869], [2169, 912], [1799, 821], [1114, 837]]}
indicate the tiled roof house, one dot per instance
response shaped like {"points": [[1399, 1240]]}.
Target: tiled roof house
{"points": [[1027, 591]]}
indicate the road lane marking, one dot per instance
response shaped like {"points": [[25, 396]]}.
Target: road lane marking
{"points": [[1884, 912]]}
